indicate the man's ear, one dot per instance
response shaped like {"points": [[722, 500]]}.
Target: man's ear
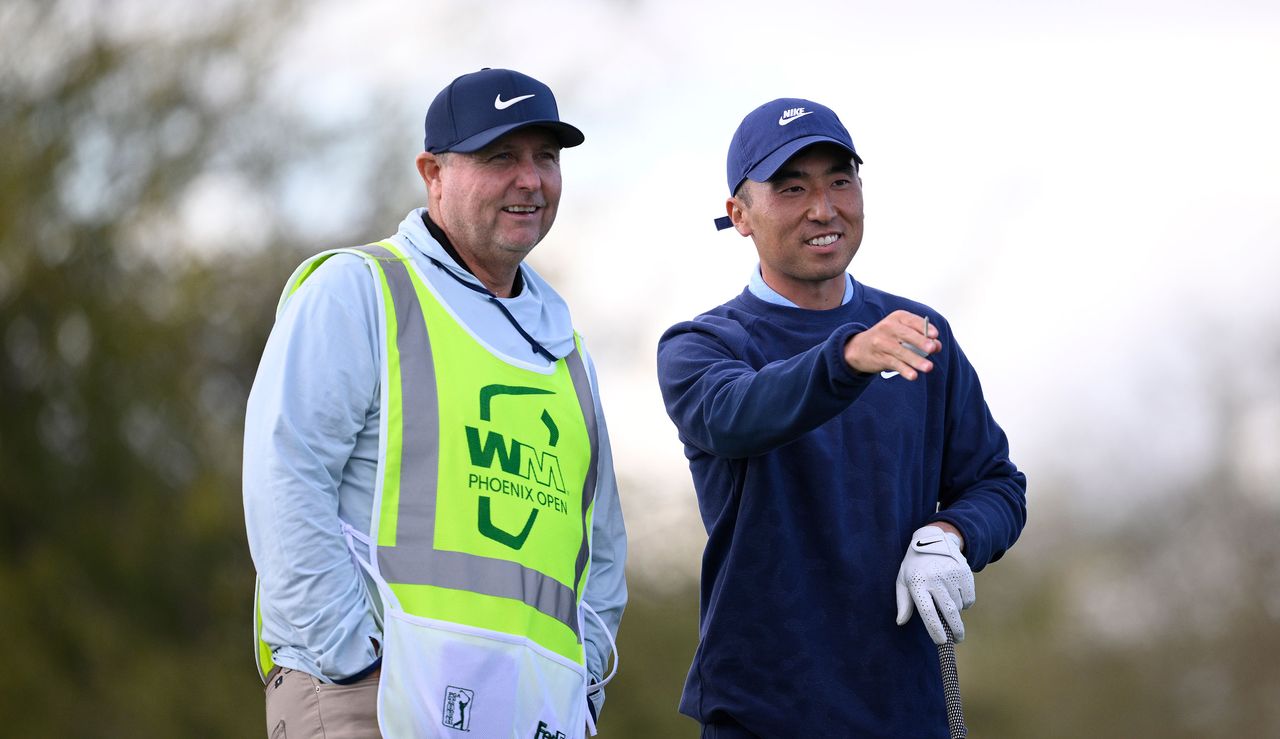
{"points": [[738, 215], [428, 169]]}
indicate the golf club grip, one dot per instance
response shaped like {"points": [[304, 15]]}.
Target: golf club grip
{"points": [[951, 686]]}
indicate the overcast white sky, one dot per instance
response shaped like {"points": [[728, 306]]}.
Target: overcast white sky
{"points": [[1088, 193]]}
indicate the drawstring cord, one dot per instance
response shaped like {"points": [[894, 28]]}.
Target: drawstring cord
{"points": [[613, 650], [389, 598], [533, 343], [613, 646]]}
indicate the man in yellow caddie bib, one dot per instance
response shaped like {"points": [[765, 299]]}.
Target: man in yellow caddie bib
{"points": [[428, 483]]}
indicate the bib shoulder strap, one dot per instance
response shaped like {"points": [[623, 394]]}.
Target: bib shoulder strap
{"points": [[384, 250]]}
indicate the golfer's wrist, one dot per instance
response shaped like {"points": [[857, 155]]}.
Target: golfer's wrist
{"points": [[948, 528]]}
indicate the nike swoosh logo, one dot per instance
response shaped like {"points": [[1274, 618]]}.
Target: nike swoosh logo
{"points": [[501, 104], [926, 543], [784, 120], [888, 375]]}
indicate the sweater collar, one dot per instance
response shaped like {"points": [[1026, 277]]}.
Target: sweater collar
{"points": [[761, 289]]}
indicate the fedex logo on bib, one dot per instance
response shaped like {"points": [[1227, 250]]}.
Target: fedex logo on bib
{"points": [[544, 732]]}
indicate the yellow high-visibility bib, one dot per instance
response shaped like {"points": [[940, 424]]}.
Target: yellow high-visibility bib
{"points": [[480, 532]]}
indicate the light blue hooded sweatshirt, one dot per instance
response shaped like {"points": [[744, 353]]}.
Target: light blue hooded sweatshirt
{"points": [[311, 454]]}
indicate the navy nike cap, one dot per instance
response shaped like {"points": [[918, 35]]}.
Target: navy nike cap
{"points": [[478, 107], [775, 132]]}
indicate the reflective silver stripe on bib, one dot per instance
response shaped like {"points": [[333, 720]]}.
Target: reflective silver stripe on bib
{"points": [[582, 385], [414, 560]]}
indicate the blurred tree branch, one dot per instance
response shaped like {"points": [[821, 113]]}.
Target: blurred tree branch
{"points": [[125, 362]]}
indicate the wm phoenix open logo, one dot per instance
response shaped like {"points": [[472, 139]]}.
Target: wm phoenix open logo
{"points": [[517, 459]]}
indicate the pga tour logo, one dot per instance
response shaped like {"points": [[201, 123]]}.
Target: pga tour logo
{"points": [[457, 708]]}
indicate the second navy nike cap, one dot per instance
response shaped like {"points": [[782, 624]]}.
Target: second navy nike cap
{"points": [[775, 132], [478, 107]]}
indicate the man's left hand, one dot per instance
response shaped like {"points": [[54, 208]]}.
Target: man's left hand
{"points": [[936, 580]]}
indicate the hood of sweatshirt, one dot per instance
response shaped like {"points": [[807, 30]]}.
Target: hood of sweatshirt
{"points": [[538, 308]]}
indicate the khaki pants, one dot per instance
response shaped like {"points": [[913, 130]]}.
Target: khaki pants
{"points": [[301, 707]]}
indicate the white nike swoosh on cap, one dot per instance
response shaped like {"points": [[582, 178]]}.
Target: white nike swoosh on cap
{"points": [[501, 104], [888, 375], [783, 120]]}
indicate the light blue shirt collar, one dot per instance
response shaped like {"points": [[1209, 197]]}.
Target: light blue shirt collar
{"points": [[759, 289]]}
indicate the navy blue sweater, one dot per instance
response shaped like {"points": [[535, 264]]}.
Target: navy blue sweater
{"points": [[811, 478]]}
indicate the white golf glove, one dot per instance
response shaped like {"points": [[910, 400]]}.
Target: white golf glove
{"points": [[936, 580]]}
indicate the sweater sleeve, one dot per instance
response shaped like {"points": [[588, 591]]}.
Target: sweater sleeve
{"points": [[727, 407], [606, 590], [982, 493], [314, 387]]}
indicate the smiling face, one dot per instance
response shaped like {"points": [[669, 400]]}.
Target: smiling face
{"points": [[806, 222], [497, 203]]}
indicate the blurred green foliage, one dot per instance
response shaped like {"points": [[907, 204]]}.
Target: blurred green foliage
{"points": [[124, 576], [1158, 627], [127, 351]]}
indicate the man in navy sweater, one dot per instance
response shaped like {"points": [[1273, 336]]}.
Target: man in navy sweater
{"points": [[848, 470]]}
